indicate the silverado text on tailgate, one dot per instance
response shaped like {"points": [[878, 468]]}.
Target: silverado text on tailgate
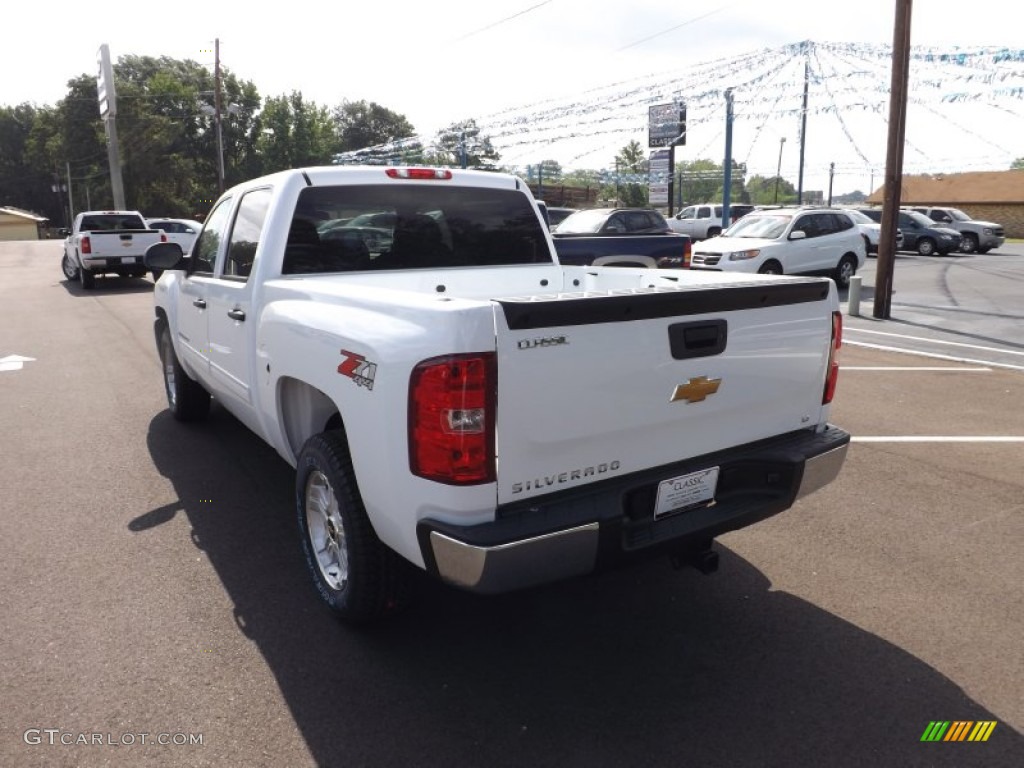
{"points": [[455, 400]]}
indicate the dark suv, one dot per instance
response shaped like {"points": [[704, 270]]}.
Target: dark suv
{"points": [[920, 233]]}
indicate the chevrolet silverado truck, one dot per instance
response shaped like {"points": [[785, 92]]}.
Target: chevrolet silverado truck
{"points": [[103, 242], [455, 400], [978, 236]]}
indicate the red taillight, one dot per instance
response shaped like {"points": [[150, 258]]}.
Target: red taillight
{"points": [[440, 174], [85, 245], [832, 374], [163, 237], [451, 418], [687, 253]]}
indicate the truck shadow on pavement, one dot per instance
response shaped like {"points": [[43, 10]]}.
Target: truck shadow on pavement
{"points": [[638, 667], [109, 285]]}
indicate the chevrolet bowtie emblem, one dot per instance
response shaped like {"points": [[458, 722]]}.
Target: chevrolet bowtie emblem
{"points": [[695, 389]]}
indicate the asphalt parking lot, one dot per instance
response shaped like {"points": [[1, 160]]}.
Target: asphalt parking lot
{"points": [[156, 612]]}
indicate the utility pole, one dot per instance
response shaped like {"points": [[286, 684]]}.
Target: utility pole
{"points": [[893, 159], [216, 115], [831, 173], [727, 180], [778, 170], [803, 122]]}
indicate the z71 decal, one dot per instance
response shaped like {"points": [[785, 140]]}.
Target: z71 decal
{"points": [[357, 368]]}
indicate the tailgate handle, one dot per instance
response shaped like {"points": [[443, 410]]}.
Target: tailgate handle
{"points": [[700, 339]]}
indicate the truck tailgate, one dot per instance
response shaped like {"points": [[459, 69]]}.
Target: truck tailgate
{"points": [[592, 386]]}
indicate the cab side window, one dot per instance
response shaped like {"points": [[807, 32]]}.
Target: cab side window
{"points": [[245, 234], [204, 252]]}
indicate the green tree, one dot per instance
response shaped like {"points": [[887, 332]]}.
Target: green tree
{"points": [[461, 144], [361, 124], [761, 190], [1017, 165], [23, 183], [631, 161], [295, 133]]}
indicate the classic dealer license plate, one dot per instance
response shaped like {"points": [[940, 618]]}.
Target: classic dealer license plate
{"points": [[127, 259], [686, 491]]}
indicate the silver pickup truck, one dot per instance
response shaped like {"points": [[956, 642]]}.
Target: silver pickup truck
{"points": [[108, 242], [978, 236]]}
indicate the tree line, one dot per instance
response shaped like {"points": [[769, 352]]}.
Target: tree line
{"points": [[166, 129], [54, 156]]}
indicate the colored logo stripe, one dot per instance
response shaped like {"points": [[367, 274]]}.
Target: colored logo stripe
{"points": [[982, 730], [958, 730]]}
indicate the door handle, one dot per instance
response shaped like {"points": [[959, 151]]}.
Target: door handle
{"points": [[236, 314], [201, 303]]}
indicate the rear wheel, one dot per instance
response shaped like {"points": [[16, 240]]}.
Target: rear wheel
{"points": [[714, 231], [926, 247], [846, 269], [770, 268], [969, 244], [87, 278], [186, 398], [357, 576]]}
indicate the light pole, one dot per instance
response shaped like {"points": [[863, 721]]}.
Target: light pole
{"points": [[778, 170]]}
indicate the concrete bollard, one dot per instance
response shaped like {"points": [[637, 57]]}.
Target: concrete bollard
{"points": [[853, 297]]}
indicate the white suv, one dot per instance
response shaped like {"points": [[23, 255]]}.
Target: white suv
{"points": [[786, 241]]}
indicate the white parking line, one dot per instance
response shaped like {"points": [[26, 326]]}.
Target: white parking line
{"points": [[942, 368], [935, 439], [934, 341], [936, 355]]}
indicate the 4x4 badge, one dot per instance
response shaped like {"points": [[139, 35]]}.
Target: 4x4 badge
{"points": [[695, 389]]}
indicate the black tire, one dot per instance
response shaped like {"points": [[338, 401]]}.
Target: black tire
{"points": [[969, 244], [137, 273], [714, 232], [87, 278], [186, 398], [926, 246], [156, 274], [358, 577], [770, 268], [846, 269], [68, 268]]}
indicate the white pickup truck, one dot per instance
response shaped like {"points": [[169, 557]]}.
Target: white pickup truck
{"points": [[453, 398], [103, 242]]}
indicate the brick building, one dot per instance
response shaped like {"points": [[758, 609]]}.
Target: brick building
{"points": [[996, 196]]}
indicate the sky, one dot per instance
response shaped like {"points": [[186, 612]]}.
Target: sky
{"points": [[577, 60]]}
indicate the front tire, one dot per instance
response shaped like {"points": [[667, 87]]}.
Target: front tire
{"points": [[926, 247], [186, 398], [969, 244], [356, 575], [68, 268], [770, 268]]}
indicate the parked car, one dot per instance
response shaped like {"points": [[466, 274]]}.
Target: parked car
{"points": [[703, 221], [180, 231], [920, 233], [871, 231], [603, 221], [555, 215], [978, 236], [787, 241]]}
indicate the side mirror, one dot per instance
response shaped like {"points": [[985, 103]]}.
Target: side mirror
{"points": [[164, 256], [798, 234]]}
